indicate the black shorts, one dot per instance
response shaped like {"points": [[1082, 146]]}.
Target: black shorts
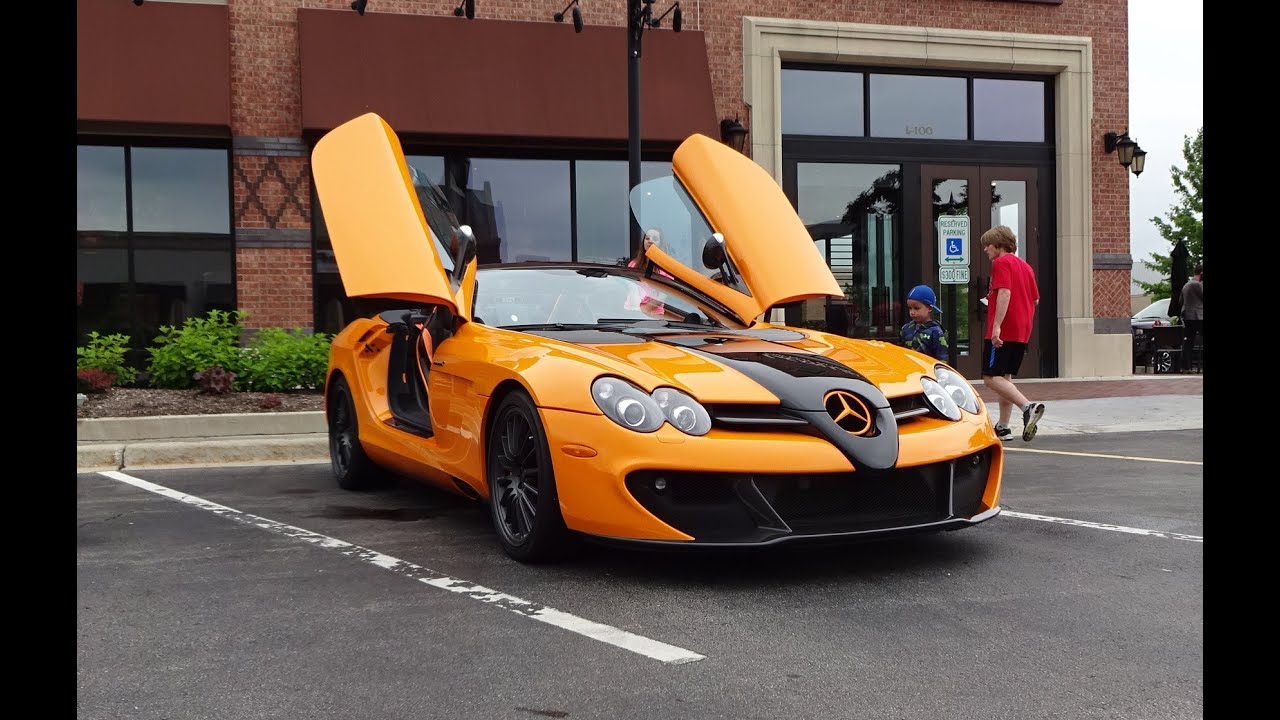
{"points": [[1003, 360]]}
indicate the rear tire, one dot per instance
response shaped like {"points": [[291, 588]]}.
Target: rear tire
{"points": [[1162, 361], [523, 501], [351, 467]]}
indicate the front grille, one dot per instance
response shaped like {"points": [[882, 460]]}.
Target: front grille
{"points": [[756, 417], [849, 502], [740, 507]]}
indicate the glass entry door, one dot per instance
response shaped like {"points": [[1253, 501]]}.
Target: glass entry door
{"points": [[988, 196]]}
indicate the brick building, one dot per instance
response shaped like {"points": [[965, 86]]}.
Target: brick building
{"points": [[196, 118]]}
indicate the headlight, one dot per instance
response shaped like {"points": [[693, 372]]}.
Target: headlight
{"points": [[939, 399], [631, 408], [627, 405], [957, 387], [683, 412]]}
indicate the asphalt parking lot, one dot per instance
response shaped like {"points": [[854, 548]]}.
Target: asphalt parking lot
{"points": [[267, 592]]}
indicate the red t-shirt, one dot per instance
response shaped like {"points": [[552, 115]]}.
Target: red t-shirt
{"points": [[1011, 271]]}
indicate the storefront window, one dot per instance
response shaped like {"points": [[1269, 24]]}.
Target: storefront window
{"points": [[821, 102], [1009, 110], [853, 212], [100, 185], [167, 257], [519, 209], [600, 194], [180, 190], [919, 107]]}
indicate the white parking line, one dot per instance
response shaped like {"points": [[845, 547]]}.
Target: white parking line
{"points": [[660, 651], [1103, 526], [1101, 455]]}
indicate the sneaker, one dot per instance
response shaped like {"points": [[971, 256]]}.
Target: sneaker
{"points": [[1031, 415], [1004, 432]]}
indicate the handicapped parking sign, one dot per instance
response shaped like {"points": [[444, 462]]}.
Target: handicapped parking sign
{"points": [[953, 241]]}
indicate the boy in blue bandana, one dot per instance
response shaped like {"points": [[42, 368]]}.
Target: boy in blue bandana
{"points": [[923, 333]]}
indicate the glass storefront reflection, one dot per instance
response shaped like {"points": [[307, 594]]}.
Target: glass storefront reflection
{"points": [[1008, 208], [100, 188], [180, 190], [853, 212], [604, 225], [951, 197], [519, 209]]}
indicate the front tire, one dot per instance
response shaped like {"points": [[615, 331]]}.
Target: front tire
{"points": [[351, 467], [523, 500]]}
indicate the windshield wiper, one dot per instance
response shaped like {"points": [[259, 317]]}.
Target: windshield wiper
{"points": [[559, 326], [699, 322]]}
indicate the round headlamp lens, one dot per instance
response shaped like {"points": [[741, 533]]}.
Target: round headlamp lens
{"points": [[939, 399]]}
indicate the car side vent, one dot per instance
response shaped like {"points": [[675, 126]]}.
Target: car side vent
{"points": [[906, 407]]}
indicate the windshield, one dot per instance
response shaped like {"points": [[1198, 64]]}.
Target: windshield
{"points": [[512, 297], [1157, 309]]}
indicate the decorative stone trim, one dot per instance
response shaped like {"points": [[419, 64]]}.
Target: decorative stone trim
{"points": [[1112, 261], [1111, 326], [270, 146], [272, 238], [768, 42]]}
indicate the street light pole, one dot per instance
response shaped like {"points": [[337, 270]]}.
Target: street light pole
{"points": [[638, 14]]}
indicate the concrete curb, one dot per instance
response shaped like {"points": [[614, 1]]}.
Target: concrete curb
{"points": [[173, 427], [228, 450]]}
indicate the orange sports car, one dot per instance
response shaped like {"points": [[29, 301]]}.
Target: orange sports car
{"points": [[649, 403]]}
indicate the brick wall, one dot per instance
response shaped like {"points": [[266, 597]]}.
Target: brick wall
{"points": [[265, 104]]}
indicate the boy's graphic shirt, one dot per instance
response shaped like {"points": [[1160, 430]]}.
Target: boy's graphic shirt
{"points": [[928, 338]]}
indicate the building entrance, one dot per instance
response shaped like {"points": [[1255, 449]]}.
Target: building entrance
{"points": [[988, 196]]}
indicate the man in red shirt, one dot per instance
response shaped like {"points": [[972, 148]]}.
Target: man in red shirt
{"points": [[1011, 306]]}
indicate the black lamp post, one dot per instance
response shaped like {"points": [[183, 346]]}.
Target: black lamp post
{"points": [[639, 17]]}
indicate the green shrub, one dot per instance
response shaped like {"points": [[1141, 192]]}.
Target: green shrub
{"points": [[200, 344], [106, 353], [279, 360]]}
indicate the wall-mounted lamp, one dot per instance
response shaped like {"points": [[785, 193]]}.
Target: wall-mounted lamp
{"points": [[1139, 160], [359, 6], [677, 20], [577, 16], [467, 8], [733, 134], [1122, 145]]}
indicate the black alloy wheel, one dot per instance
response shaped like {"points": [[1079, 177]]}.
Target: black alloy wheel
{"points": [[351, 467], [522, 487]]}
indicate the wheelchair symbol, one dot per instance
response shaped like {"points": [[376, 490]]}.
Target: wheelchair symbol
{"points": [[954, 247]]}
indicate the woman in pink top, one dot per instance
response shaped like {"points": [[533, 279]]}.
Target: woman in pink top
{"points": [[639, 299]]}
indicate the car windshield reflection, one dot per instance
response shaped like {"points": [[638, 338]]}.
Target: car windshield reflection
{"points": [[566, 296]]}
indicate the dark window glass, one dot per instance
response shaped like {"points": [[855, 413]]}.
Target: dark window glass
{"points": [[180, 190], [1011, 110], [820, 102], [180, 276], [102, 284], [519, 209], [100, 188], [604, 224], [919, 107], [854, 213]]}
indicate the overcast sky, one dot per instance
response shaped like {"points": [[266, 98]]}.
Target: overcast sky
{"points": [[1166, 103]]}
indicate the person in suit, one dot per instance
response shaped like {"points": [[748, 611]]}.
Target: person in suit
{"points": [[1192, 317]]}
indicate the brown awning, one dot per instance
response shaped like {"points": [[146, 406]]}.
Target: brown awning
{"points": [[451, 76], [154, 63]]}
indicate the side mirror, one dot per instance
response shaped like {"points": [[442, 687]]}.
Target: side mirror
{"points": [[463, 248], [713, 255]]}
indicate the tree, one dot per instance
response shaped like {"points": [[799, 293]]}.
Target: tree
{"points": [[1184, 221]]}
